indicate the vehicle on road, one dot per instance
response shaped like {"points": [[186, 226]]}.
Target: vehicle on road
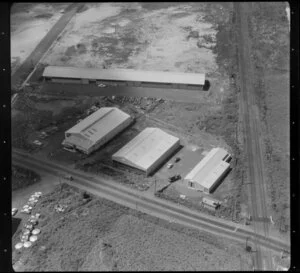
{"points": [[174, 178], [177, 159], [101, 85]]}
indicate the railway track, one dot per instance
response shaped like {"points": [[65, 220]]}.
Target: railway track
{"points": [[151, 205], [252, 137]]}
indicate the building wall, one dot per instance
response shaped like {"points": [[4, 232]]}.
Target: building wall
{"points": [[129, 83], [163, 158], [65, 80]]}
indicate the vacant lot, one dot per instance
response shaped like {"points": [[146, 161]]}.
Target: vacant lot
{"points": [[111, 237], [29, 24]]}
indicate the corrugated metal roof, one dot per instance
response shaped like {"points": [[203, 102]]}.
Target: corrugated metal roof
{"points": [[208, 167], [213, 176], [146, 148], [99, 124], [124, 75]]}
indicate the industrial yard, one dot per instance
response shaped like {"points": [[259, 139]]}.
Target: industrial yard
{"points": [[147, 138]]}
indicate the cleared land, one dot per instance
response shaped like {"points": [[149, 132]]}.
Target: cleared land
{"points": [[29, 24]]}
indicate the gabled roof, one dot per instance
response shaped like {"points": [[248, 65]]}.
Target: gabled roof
{"points": [[208, 167], [124, 75], [99, 124], [146, 148]]}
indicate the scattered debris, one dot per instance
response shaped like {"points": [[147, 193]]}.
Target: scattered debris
{"points": [[60, 208]]}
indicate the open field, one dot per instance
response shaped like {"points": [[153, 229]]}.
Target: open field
{"points": [[111, 237], [29, 24]]}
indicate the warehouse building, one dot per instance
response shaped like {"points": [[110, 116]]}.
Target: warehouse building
{"points": [[148, 150], [124, 77], [207, 174], [96, 129]]}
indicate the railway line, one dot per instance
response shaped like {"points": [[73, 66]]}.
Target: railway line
{"points": [[252, 142], [160, 208]]}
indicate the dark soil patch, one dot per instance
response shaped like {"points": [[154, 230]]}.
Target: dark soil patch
{"points": [[43, 16], [159, 5], [22, 177], [82, 9]]}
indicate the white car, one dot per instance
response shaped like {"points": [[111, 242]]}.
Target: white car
{"points": [[36, 142], [101, 85], [14, 211], [170, 165]]}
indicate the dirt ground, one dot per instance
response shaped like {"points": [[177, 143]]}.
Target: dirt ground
{"points": [[111, 237], [29, 24]]}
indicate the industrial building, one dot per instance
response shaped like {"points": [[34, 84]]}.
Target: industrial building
{"points": [[96, 129], [148, 150], [207, 174], [124, 77]]}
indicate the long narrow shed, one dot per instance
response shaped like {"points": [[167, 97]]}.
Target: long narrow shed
{"points": [[86, 75]]}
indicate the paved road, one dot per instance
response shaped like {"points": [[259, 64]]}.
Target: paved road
{"points": [[182, 95], [252, 136], [144, 202], [32, 60]]}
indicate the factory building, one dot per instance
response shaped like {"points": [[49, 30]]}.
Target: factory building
{"points": [[96, 129], [148, 150], [124, 77], [207, 174]]}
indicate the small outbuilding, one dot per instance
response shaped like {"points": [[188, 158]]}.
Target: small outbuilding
{"points": [[148, 150]]}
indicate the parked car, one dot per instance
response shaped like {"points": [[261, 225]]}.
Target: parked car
{"points": [[174, 178], [37, 142], [101, 85], [170, 165], [14, 211]]}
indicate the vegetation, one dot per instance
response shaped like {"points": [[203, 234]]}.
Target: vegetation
{"points": [[23, 177]]}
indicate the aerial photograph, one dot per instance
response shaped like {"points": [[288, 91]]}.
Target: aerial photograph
{"points": [[150, 136]]}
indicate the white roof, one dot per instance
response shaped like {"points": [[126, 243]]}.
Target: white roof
{"points": [[146, 148], [97, 125], [213, 176], [209, 168], [124, 75]]}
